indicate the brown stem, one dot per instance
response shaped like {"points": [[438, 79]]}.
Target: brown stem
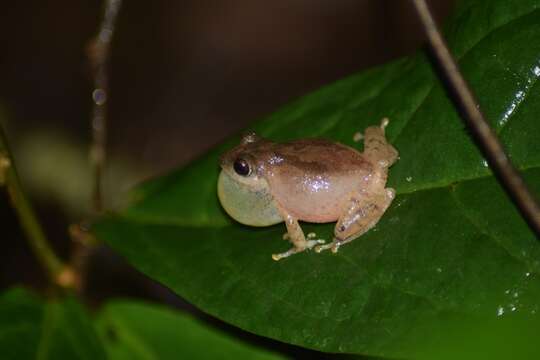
{"points": [[99, 58], [487, 141], [98, 54]]}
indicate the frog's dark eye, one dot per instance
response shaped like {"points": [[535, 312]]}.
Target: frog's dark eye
{"points": [[241, 167]]}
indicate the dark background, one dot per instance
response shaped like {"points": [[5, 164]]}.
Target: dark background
{"points": [[184, 76]]}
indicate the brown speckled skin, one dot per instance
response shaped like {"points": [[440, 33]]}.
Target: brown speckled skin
{"points": [[311, 179]]}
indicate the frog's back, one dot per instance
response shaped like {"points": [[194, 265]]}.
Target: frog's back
{"points": [[316, 156], [316, 177]]}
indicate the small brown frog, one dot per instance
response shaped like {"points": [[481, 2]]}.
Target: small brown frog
{"points": [[263, 183]]}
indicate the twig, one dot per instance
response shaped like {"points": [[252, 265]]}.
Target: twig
{"points": [[98, 54], [487, 140], [57, 271], [99, 58]]}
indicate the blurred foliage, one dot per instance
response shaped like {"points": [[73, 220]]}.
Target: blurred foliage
{"points": [[135, 330], [31, 328], [62, 174]]}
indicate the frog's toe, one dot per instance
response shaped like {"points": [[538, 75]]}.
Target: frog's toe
{"points": [[358, 136], [390, 193], [384, 123], [285, 254], [333, 246], [321, 248], [288, 253]]}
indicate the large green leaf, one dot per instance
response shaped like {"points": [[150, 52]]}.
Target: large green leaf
{"points": [[33, 329], [134, 330], [451, 243]]}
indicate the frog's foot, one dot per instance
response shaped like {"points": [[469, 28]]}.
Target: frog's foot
{"points": [[309, 245], [358, 136], [312, 242], [285, 254], [334, 246]]}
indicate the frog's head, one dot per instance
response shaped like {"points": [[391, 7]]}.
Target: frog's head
{"points": [[242, 189], [241, 161]]}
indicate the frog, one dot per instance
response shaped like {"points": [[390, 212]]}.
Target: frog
{"points": [[314, 180]]}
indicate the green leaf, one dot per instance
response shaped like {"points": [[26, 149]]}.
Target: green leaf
{"points": [[451, 243], [32, 329], [134, 330]]}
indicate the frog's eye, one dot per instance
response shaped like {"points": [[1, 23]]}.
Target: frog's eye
{"points": [[241, 167]]}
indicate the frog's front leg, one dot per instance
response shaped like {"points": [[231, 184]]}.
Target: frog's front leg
{"points": [[296, 236], [364, 211]]}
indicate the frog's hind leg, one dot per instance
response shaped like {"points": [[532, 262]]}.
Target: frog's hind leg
{"points": [[363, 212], [376, 147], [296, 236], [366, 206]]}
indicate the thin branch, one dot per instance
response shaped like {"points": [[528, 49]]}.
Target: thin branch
{"points": [[487, 140], [98, 54], [57, 271], [99, 57]]}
